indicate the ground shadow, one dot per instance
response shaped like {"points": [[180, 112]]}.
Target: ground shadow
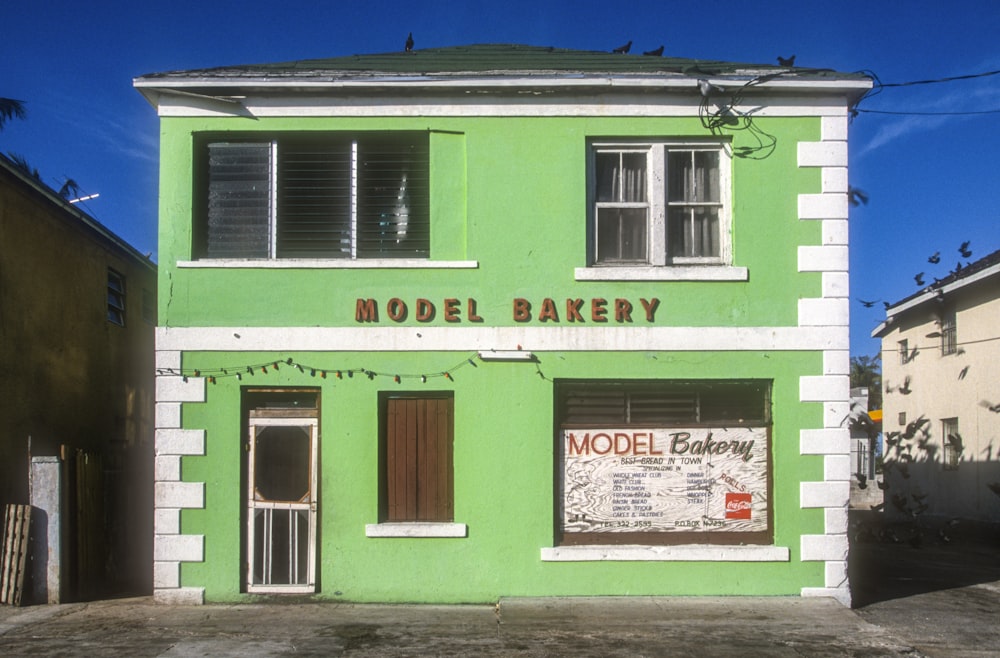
{"points": [[893, 559]]}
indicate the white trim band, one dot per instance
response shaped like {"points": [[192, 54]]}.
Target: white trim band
{"points": [[681, 553]]}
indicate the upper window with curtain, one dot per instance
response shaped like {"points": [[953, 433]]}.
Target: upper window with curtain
{"points": [[659, 203], [317, 195]]}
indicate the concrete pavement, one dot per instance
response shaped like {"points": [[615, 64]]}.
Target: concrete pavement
{"points": [[936, 598]]}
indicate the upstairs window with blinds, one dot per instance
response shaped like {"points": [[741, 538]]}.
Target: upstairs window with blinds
{"points": [[316, 196]]}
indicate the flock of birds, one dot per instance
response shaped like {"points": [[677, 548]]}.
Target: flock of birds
{"points": [[623, 49], [933, 259]]}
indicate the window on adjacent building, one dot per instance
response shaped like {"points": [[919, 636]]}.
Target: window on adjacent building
{"points": [[659, 203], [904, 351], [949, 336], [417, 470], [953, 446], [116, 297], [660, 462], [316, 196]]}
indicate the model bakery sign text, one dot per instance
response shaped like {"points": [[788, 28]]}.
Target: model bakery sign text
{"points": [[453, 309]]}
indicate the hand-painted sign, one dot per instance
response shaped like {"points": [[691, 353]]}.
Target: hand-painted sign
{"points": [[665, 480]]}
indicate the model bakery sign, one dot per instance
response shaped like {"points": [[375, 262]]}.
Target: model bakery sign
{"points": [[455, 310], [665, 480]]}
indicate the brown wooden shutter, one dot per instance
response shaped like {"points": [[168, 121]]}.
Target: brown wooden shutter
{"points": [[419, 469]]}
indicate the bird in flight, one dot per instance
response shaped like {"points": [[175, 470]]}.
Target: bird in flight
{"points": [[919, 278], [622, 50], [786, 61], [867, 304], [964, 249], [935, 259]]}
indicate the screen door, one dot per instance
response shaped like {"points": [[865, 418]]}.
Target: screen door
{"points": [[281, 539]]}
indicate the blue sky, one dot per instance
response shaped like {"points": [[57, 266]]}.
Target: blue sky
{"points": [[933, 179]]}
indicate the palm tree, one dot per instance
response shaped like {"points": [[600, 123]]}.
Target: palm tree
{"points": [[11, 108], [866, 371], [22, 163]]}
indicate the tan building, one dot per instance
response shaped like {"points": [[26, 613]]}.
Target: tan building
{"points": [[77, 315], [940, 364]]}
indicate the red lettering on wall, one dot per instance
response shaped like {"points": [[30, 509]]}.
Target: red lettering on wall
{"points": [[548, 311], [471, 314], [451, 311], [366, 311], [573, 307], [650, 306], [597, 310], [396, 309], [623, 310], [522, 310], [425, 310]]}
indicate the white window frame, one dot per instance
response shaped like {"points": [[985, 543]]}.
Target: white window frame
{"points": [[949, 333], [658, 265], [950, 457]]}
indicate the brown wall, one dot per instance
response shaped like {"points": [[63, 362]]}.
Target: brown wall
{"points": [[68, 376]]}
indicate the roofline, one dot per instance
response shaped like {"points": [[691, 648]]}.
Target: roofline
{"points": [[933, 294], [86, 220], [149, 86]]}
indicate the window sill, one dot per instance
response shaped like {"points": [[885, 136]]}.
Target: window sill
{"points": [[680, 553], [329, 263], [416, 529], [663, 273]]}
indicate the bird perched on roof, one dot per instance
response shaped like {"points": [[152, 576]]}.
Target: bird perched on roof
{"points": [[964, 249], [786, 61], [622, 50], [409, 42], [654, 53]]}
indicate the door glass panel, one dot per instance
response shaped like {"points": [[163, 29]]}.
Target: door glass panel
{"points": [[281, 463]]}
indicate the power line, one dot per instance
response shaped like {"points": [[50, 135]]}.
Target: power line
{"points": [[937, 80], [931, 114]]}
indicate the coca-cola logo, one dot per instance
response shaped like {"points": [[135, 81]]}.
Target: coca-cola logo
{"points": [[738, 505]]}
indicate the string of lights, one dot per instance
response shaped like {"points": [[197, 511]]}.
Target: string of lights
{"points": [[247, 371]]}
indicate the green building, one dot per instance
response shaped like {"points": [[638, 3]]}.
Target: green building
{"points": [[456, 324]]}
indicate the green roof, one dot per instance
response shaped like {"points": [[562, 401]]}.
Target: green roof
{"points": [[500, 60]]}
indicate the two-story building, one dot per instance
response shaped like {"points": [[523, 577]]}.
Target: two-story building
{"points": [[498, 320], [77, 316], [940, 357]]}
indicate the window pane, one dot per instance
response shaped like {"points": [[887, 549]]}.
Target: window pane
{"points": [[238, 200], [621, 177], [693, 232], [393, 202], [281, 463], [621, 234], [693, 176], [607, 165], [314, 199]]}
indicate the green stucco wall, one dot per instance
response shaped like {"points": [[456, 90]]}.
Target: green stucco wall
{"points": [[510, 194]]}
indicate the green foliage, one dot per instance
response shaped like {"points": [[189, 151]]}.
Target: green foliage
{"points": [[866, 371]]}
